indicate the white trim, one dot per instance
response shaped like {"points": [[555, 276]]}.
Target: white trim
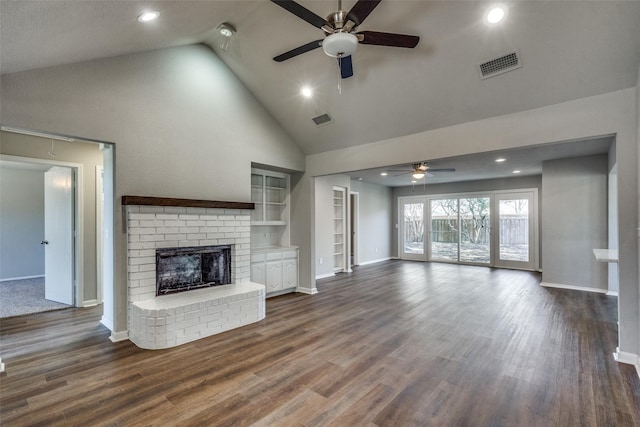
{"points": [[612, 293], [119, 336], [628, 358], [21, 278], [308, 291], [375, 261], [324, 276], [107, 322], [78, 177], [574, 288], [89, 303]]}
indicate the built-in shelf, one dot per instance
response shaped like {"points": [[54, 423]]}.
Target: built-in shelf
{"points": [[185, 203]]}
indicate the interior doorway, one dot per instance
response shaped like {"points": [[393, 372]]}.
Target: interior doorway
{"points": [[354, 205]]}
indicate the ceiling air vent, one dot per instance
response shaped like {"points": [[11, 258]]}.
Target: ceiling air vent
{"points": [[502, 64], [322, 119]]}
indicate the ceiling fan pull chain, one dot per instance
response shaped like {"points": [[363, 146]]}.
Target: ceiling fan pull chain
{"points": [[339, 75]]}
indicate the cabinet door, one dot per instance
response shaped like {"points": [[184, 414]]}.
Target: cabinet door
{"points": [[258, 273], [290, 273], [274, 275]]}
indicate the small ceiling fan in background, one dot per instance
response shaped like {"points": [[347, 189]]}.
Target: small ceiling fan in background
{"points": [[341, 38], [419, 171]]}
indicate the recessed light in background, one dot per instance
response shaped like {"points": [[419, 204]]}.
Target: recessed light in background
{"points": [[306, 91], [500, 160], [148, 16]]}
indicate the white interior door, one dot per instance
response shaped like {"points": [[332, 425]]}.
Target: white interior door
{"points": [[58, 229], [516, 221], [412, 219]]}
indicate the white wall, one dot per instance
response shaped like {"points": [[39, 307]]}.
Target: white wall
{"points": [[21, 222], [574, 203], [374, 220], [183, 126]]}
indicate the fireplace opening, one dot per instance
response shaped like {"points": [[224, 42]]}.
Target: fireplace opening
{"points": [[185, 269]]}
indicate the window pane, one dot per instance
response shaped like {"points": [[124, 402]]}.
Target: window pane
{"points": [[514, 230], [474, 232], [444, 229], [414, 228]]}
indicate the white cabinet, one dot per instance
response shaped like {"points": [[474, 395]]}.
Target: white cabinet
{"points": [[274, 275], [276, 268]]}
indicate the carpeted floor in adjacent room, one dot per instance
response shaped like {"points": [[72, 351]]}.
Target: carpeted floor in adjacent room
{"points": [[26, 296]]}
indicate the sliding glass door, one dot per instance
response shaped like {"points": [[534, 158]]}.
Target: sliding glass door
{"points": [[494, 228]]}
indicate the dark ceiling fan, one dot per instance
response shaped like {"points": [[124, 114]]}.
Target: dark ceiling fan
{"points": [[341, 38], [419, 170]]}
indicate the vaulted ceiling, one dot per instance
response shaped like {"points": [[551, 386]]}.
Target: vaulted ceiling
{"points": [[568, 50]]}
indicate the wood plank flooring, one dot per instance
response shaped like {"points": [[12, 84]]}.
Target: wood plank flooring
{"points": [[392, 344]]}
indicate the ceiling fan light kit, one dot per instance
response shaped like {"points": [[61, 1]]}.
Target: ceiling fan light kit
{"points": [[339, 45]]}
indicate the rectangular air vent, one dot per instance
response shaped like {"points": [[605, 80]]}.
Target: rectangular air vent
{"points": [[502, 64], [322, 119]]}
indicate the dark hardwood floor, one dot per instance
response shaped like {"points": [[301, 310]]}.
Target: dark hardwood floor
{"points": [[393, 344]]}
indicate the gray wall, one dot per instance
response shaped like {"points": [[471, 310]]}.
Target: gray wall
{"points": [[533, 181], [21, 222], [183, 126], [374, 220], [574, 202]]}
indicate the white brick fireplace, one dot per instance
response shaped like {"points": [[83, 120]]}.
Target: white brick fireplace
{"points": [[170, 320]]}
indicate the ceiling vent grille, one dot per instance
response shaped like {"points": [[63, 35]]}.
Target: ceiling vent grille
{"points": [[322, 119], [502, 64]]}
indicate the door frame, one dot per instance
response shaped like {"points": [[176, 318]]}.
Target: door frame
{"points": [[78, 223], [533, 230], [354, 205]]}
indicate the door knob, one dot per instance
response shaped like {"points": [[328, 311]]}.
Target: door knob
{"points": [[44, 242]]}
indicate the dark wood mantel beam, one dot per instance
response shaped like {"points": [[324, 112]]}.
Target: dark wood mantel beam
{"points": [[186, 203]]}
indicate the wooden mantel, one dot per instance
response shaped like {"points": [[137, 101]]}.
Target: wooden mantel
{"points": [[185, 203]]}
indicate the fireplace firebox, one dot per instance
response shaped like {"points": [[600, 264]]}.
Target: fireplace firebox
{"points": [[184, 269]]}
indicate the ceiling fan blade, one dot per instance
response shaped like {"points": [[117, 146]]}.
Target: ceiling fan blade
{"points": [[389, 39], [361, 10], [298, 51], [442, 170], [302, 13], [346, 67]]}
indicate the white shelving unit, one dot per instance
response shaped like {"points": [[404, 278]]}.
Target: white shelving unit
{"points": [[339, 229], [270, 193]]}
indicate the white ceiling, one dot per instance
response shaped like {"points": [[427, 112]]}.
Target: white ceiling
{"points": [[569, 50]]}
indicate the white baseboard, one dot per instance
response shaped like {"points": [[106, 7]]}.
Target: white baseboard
{"points": [[324, 276], [628, 358], [21, 278], [375, 261], [119, 336], [574, 288], [89, 303], [308, 291], [107, 322]]}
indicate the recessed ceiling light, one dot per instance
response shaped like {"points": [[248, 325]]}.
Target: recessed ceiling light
{"points": [[148, 16], [516, 171], [496, 14], [383, 174], [413, 181], [500, 160], [306, 91], [226, 29]]}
